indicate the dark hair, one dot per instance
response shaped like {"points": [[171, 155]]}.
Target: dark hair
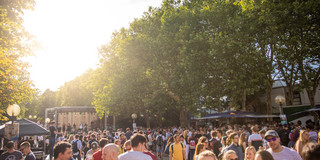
{"points": [[214, 133], [103, 142], [60, 147], [311, 151], [136, 139], [10, 144], [265, 155], [77, 136]]}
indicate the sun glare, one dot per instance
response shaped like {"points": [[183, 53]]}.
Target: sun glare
{"points": [[70, 31]]}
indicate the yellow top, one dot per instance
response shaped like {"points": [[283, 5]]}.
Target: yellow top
{"points": [[178, 151]]}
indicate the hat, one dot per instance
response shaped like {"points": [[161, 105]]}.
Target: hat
{"points": [[94, 145], [271, 133]]}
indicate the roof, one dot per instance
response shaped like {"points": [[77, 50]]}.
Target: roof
{"points": [[237, 114], [27, 128], [74, 109], [279, 83]]}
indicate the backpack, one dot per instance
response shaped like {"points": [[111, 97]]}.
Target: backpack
{"points": [[193, 144], [166, 150], [75, 146], [160, 140]]}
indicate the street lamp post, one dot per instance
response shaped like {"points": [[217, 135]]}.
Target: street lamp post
{"points": [[280, 100], [13, 130], [13, 111], [47, 121], [134, 116]]}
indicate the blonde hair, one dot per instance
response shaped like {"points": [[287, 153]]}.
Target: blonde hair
{"points": [[227, 155], [247, 150], [185, 134], [301, 137], [206, 154]]}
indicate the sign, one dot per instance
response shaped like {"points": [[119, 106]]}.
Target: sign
{"points": [[283, 119], [11, 131], [134, 126]]}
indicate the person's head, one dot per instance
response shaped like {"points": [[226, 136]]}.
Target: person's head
{"points": [[110, 152], [204, 140], [176, 138], [94, 146], [304, 136], [254, 129], [181, 138], [76, 136], [71, 138], [273, 140], [117, 142], [230, 155], [243, 138], [311, 151], [62, 151], [234, 138], [199, 148], [207, 155], [103, 142], [10, 145], [263, 155], [127, 145], [262, 133], [138, 142], [53, 123], [25, 147], [214, 133], [250, 153], [128, 129]]}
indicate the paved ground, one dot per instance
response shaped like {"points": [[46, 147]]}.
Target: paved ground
{"points": [[165, 157]]}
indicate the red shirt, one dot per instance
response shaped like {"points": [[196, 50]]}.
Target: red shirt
{"points": [[151, 154], [97, 155]]}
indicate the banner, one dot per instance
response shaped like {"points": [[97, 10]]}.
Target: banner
{"points": [[11, 131], [283, 119]]}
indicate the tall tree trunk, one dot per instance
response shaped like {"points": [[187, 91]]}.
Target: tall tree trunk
{"points": [[114, 122], [147, 120], [183, 117], [244, 96], [269, 100]]}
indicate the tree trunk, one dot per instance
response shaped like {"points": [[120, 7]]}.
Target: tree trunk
{"points": [[183, 117], [290, 95], [244, 96], [114, 122], [269, 100], [147, 119]]}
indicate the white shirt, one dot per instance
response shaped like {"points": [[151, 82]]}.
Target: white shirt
{"points": [[255, 137], [285, 154], [134, 155]]}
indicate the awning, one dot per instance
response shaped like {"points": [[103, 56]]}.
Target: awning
{"points": [[237, 114], [27, 128]]}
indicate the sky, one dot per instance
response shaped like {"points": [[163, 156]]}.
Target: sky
{"points": [[70, 33]]}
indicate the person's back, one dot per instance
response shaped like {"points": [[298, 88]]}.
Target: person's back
{"points": [[138, 143]]}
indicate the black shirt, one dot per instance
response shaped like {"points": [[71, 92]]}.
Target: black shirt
{"points": [[52, 129], [30, 156]]}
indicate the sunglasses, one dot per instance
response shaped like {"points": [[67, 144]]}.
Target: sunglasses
{"points": [[272, 139], [21, 149]]}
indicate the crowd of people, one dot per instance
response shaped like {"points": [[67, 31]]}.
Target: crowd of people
{"points": [[227, 142]]}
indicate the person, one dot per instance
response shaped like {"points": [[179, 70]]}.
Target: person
{"points": [[234, 139], [11, 153], [312, 134], [128, 134], [311, 151], [97, 155], [215, 144], [186, 142], [303, 140], [243, 141], [150, 140], [53, 133], [255, 139], [110, 152], [200, 148], [177, 149], [193, 143], [278, 151], [120, 147], [230, 155], [94, 148], [62, 151], [25, 148], [263, 155], [147, 152], [138, 142], [76, 148], [293, 136], [127, 146], [207, 155], [160, 145], [250, 153], [205, 141]]}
